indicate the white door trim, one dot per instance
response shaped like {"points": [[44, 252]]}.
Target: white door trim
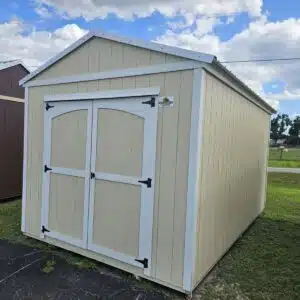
{"points": [[56, 110], [108, 94], [193, 179], [150, 115]]}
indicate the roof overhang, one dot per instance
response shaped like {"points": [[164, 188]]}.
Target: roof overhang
{"points": [[188, 54], [12, 64]]}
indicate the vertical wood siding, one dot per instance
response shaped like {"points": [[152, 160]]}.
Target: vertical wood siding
{"points": [[99, 55], [171, 166], [11, 148], [232, 177]]}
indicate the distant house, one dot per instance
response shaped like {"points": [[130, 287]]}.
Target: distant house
{"points": [[279, 142], [11, 128]]}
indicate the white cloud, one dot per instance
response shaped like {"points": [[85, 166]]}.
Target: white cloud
{"points": [[35, 47], [43, 12], [128, 9], [261, 39]]}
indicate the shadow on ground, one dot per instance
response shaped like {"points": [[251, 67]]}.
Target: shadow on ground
{"points": [[30, 273]]}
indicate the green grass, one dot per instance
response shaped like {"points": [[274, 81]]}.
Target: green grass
{"points": [[284, 163], [265, 263], [292, 154]]}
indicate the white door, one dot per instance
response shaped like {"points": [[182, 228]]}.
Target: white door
{"points": [[122, 179], [67, 149]]}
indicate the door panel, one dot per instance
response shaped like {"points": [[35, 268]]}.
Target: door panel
{"points": [[69, 151], [112, 128], [121, 202], [123, 154], [67, 171], [66, 195]]}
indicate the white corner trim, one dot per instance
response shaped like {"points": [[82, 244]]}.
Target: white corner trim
{"points": [[14, 99], [197, 56], [121, 73], [25, 145], [109, 94], [193, 180]]}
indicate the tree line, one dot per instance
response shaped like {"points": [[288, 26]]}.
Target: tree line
{"points": [[283, 127]]}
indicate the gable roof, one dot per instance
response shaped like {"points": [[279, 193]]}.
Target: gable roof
{"points": [[11, 63], [188, 54], [193, 55]]}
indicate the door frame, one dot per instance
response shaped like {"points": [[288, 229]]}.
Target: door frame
{"points": [[150, 116], [148, 210], [54, 110]]}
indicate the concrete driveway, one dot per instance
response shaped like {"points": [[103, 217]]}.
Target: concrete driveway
{"points": [[28, 273]]}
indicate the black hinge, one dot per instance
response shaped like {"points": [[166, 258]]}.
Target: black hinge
{"points": [[48, 106], [150, 102], [93, 175], [143, 262], [46, 169], [148, 182], [44, 229]]}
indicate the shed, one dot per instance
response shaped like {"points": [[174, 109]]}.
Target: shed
{"points": [[11, 128], [149, 158]]}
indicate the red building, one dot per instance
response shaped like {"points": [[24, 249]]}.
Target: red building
{"points": [[11, 128]]}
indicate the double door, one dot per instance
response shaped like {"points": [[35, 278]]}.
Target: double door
{"points": [[98, 186]]}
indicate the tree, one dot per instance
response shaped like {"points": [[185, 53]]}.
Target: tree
{"points": [[294, 131], [279, 126]]}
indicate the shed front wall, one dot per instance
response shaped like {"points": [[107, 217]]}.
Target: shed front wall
{"points": [[171, 168], [233, 164]]}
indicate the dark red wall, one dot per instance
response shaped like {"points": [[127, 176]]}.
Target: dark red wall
{"points": [[9, 81], [11, 148]]}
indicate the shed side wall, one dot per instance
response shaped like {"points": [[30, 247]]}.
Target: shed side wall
{"points": [[99, 55], [171, 167], [233, 171]]}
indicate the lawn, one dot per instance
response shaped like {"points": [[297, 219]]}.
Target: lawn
{"points": [[263, 264], [290, 159]]}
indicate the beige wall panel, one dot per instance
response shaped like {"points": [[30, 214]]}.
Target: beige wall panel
{"points": [[117, 151], [63, 88], [170, 186], [68, 140], [99, 55], [76, 62], [35, 150], [117, 207], [85, 87], [181, 175], [66, 205], [233, 171], [116, 84], [167, 179], [129, 83]]}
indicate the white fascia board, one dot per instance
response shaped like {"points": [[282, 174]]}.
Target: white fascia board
{"points": [[122, 73], [197, 56], [110, 94]]}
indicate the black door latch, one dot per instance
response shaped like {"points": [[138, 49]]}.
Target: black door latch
{"points": [[147, 182]]}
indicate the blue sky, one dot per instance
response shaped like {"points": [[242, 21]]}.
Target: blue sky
{"points": [[236, 29]]}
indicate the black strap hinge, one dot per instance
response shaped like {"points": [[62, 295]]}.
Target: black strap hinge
{"points": [[48, 106], [150, 102], [44, 229], [93, 175], [147, 182], [46, 169], [143, 262]]}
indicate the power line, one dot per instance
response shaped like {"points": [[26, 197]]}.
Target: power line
{"points": [[260, 60]]}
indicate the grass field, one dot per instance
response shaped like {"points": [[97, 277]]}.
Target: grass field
{"points": [[264, 263], [290, 159]]}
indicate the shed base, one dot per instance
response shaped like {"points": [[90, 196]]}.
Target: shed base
{"points": [[102, 259], [7, 199]]}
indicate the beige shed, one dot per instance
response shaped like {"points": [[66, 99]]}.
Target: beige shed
{"points": [[148, 158]]}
